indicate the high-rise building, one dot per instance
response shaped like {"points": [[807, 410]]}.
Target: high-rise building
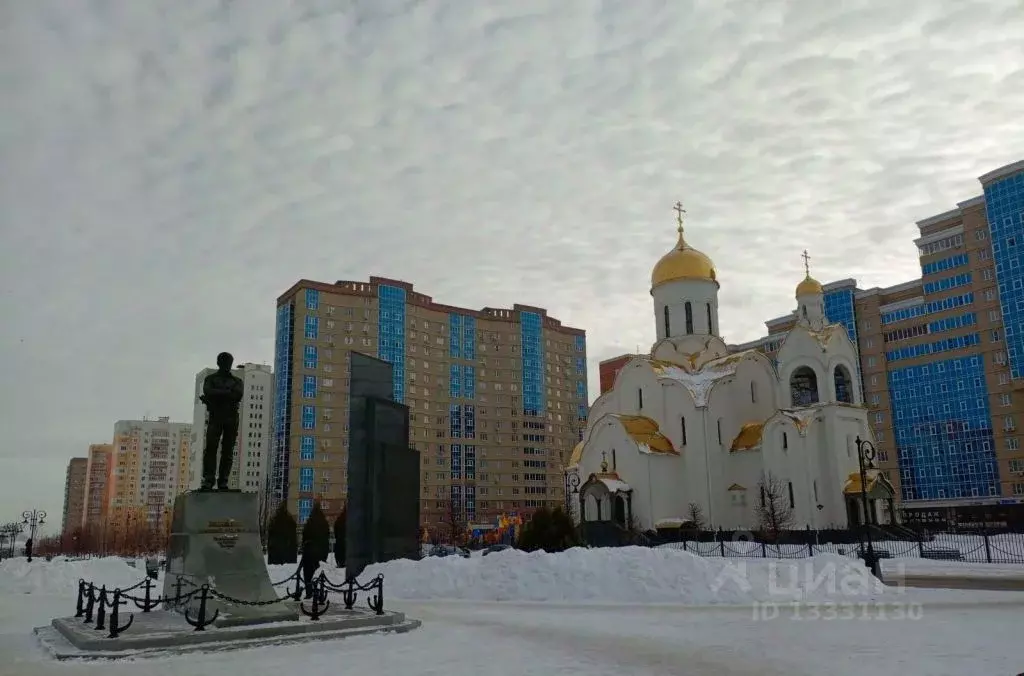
{"points": [[150, 469], [609, 368], [497, 397], [99, 479], [942, 360], [255, 418], [74, 494]]}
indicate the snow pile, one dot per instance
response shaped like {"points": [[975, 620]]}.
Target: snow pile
{"points": [[628, 575], [60, 577]]}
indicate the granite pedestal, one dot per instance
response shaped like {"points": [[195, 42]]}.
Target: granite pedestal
{"points": [[215, 540]]}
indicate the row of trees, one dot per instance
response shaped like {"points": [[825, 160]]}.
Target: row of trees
{"points": [[136, 538], [283, 543]]}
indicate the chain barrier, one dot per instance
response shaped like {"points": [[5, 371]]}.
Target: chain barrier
{"points": [[93, 602]]}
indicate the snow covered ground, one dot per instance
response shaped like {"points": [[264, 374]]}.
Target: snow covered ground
{"points": [[595, 612]]}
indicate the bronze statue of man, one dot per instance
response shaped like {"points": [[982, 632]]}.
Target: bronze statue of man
{"points": [[222, 394]]}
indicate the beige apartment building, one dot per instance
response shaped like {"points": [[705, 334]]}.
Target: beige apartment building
{"points": [[99, 469], [497, 397], [149, 469], [74, 494], [942, 361]]}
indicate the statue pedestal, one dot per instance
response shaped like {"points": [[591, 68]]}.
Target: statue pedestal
{"points": [[215, 540]]}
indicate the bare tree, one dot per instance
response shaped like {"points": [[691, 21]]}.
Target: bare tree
{"points": [[775, 509], [695, 513], [455, 523]]}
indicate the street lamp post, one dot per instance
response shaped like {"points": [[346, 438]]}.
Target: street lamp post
{"points": [[33, 518], [866, 458], [572, 488]]}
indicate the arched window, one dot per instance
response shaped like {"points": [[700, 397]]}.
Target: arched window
{"points": [[803, 387], [689, 318], [804, 309], [844, 385], [707, 306], [668, 328]]}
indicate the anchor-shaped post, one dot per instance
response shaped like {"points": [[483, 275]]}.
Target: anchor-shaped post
{"points": [[115, 616], [201, 622]]}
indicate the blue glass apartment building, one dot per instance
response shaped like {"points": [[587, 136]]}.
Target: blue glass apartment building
{"points": [[497, 397], [942, 361]]}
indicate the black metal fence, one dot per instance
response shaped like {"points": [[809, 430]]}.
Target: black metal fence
{"points": [[101, 607], [1006, 548]]}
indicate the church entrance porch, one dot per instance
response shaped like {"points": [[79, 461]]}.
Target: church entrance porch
{"points": [[880, 509], [605, 497]]}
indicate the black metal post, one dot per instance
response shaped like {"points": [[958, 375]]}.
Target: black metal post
{"points": [[865, 458], [572, 488], [33, 518]]}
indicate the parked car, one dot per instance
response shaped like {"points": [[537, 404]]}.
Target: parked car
{"points": [[496, 548], [449, 550]]}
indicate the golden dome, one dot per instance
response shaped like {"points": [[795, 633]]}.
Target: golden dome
{"points": [[683, 261], [809, 286]]}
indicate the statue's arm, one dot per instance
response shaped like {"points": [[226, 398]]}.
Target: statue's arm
{"points": [[214, 390]]}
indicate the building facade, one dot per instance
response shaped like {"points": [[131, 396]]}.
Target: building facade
{"points": [[941, 361], [696, 432], [249, 469], [74, 494], [150, 470], [497, 397], [98, 485], [609, 369]]}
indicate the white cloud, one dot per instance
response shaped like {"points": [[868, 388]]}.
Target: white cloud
{"points": [[160, 159]]}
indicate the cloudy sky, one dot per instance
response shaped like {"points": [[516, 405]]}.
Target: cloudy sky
{"points": [[168, 168]]}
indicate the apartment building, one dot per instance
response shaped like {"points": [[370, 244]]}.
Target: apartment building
{"points": [[74, 494], [497, 397], [942, 360], [150, 468], [99, 479], [249, 469]]}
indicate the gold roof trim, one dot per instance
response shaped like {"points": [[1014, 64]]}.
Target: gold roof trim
{"points": [[748, 439], [577, 455], [876, 480], [645, 432]]}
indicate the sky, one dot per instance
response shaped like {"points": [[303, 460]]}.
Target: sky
{"points": [[168, 168]]}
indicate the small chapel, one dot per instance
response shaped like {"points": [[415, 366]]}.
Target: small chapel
{"points": [[697, 428]]}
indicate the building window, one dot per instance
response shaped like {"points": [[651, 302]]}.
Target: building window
{"points": [[803, 386], [844, 384], [711, 329], [682, 427], [785, 441], [792, 502], [640, 398], [668, 327], [753, 392], [719, 431], [688, 308]]}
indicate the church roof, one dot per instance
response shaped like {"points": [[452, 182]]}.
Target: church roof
{"points": [[577, 455], [700, 381], [877, 483], [682, 262], [610, 480], [645, 432], [749, 437]]}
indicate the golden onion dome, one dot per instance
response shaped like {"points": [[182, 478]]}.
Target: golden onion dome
{"points": [[683, 262], [809, 286]]}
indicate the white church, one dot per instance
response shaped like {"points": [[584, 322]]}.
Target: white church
{"points": [[693, 424]]}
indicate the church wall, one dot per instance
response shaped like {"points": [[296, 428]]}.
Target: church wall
{"points": [[654, 478], [701, 434]]}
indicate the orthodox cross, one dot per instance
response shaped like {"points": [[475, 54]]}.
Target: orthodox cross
{"points": [[807, 264], [679, 215], [604, 461]]}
